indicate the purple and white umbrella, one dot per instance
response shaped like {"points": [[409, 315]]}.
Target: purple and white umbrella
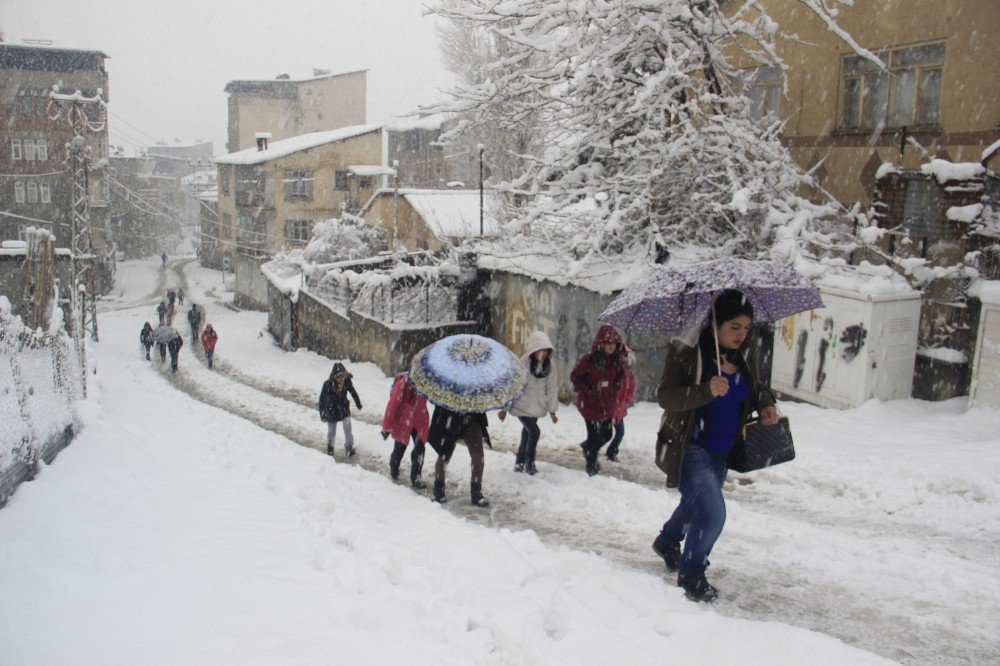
{"points": [[679, 300]]}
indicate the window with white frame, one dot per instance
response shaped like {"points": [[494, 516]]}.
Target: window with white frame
{"points": [[762, 85], [32, 192], [42, 149], [29, 150], [19, 192], [909, 93], [15, 149], [298, 231], [45, 192], [298, 184]]}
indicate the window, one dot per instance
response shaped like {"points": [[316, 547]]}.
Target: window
{"points": [[42, 148], [15, 149], [32, 192], [366, 182], [19, 192], [298, 231], [45, 192], [224, 176], [29, 150], [340, 181], [298, 184], [762, 85], [908, 94]]}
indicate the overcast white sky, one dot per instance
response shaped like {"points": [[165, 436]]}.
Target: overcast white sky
{"points": [[170, 59]]}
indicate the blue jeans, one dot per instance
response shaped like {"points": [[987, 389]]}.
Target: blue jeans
{"points": [[617, 441], [702, 512], [530, 432]]}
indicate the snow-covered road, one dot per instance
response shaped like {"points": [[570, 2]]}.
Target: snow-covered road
{"points": [[883, 533]]}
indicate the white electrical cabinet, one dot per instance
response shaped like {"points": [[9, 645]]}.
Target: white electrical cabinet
{"points": [[986, 364], [858, 347]]}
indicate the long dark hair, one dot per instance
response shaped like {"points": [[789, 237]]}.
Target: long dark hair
{"points": [[728, 306]]}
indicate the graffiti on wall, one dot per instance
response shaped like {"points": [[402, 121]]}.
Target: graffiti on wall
{"points": [[853, 339]]}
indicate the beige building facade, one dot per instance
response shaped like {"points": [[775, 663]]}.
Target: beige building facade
{"points": [[269, 199], [844, 116], [287, 107]]}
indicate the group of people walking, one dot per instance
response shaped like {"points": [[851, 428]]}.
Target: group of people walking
{"points": [[168, 339], [708, 393]]}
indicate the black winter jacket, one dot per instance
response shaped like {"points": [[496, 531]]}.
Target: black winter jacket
{"points": [[447, 426], [333, 403]]}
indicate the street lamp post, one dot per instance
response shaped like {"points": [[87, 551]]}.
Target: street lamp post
{"points": [[481, 148]]}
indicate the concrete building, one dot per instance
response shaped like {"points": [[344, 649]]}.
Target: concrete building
{"points": [[287, 107], [269, 197], [135, 210], [35, 187], [844, 117]]}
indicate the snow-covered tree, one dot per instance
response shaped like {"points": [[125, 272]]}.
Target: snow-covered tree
{"points": [[342, 239], [648, 139]]}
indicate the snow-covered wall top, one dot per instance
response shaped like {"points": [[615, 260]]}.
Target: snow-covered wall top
{"points": [[946, 171], [294, 145], [433, 121], [987, 291]]}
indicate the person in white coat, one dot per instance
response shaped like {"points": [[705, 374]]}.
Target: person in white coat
{"points": [[540, 397]]}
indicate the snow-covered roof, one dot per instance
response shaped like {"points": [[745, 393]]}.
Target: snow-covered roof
{"points": [[453, 213], [433, 121], [371, 170], [305, 79], [295, 144]]}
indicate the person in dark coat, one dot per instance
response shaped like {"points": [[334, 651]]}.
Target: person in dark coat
{"points": [[163, 260], [208, 339], [334, 407], [706, 404], [194, 319], [597, 379], [161, 311], [174, 347], [180, 295], [447, 427], [406, 418], [146, 338]]}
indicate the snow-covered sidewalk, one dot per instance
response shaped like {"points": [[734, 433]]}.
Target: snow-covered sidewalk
{"points": [[172, 532]]}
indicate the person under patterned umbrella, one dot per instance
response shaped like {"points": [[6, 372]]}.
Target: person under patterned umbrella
{"points": [[465, 376]]}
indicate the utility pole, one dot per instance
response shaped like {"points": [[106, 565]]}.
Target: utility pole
{"points": [[82, 291], [481, 148], [395, 205]]}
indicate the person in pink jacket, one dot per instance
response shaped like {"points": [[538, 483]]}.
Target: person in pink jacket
{"points": [[405, 418], [626, 398]]}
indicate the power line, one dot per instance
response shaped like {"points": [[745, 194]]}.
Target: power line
{"points": [[141, 131]]}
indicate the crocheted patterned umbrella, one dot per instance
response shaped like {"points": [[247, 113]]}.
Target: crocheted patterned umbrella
{"points": [[468, 373], [679, 300]]}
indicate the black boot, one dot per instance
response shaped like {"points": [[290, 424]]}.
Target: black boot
{"points": [[696, 587], [439, 492], [477, 495], [395, 459], [670, 551]]}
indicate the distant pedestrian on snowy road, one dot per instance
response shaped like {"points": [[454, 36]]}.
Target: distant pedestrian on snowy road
{"points": [[208, 339], [161, 312], [174, 347], [194, 319], [163, 260], [180, 295], [540, 397], [146, 338], [334, 407]]}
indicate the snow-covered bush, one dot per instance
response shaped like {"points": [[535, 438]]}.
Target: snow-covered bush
{"points": [[342, 239]]}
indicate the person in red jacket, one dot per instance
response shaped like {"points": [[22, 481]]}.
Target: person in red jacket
{"points": [[208, 339], [597, 379], [626, 398], [405, 418]]}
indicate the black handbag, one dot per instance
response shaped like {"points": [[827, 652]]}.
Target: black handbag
{"points": [[762, 446]]}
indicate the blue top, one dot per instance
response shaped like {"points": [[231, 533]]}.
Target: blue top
{"points": [[719, 421]]}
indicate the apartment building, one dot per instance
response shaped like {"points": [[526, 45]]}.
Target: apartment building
{"points": [[286, 107]]}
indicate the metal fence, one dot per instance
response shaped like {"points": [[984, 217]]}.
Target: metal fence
{"points": [[406, 300]]}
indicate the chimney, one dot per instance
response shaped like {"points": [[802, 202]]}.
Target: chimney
{"points": [[262, 138]]}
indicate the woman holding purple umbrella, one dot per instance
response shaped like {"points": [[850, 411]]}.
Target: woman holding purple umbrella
{"points": [[708, 393]]}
